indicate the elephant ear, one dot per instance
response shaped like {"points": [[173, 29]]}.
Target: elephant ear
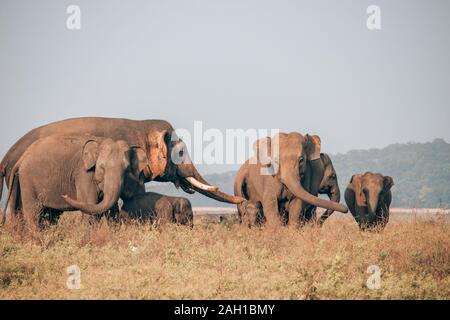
{"points": [[355, 183], [90, 154], [139, 160], [158, 152], [388, 182]]}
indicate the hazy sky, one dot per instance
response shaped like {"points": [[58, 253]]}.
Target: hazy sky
{"points": [[309, 66]]}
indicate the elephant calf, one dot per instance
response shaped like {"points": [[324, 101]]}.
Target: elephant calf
{"points": [[160, 208], [64, 173], [368, 196]]}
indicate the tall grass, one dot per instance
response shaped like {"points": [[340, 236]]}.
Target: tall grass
{"points": [[227, 261]]}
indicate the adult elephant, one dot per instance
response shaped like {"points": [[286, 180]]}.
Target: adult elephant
{"points": [[66, 173], [271, 178], [168, 160], [328, 185], [369, 197]]}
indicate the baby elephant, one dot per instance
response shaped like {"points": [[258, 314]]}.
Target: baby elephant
{"points": [[160, 208], [368, 196], [250, 214]]}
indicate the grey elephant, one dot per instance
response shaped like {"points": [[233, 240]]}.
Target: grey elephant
{"points": [[159, 208], [167, 156], [65, 173], [369, 197], [329, 186], [273, 178]]}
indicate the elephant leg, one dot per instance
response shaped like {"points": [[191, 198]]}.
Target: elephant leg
{"points": [[243, 216], [295, 212], [309, 213], [31, 210], [113, 214], [271, 212], [52, 215]]}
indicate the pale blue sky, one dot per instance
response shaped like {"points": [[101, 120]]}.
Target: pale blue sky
{"points": [[309, 66]]}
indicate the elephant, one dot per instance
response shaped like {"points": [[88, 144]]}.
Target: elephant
{"points": [[250, 214], [67, 173], [329, 185], [369, 197], [273, 177], [160, 208], [168, 160]]}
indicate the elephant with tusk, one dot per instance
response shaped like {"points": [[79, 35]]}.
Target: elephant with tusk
{"points": [[66, 173], [272, 179], [167, 158]]}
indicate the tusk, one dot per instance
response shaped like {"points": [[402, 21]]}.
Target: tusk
{"points": [[200, 185]]}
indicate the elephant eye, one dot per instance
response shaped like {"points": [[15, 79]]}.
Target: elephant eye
{"points": [[181, 153]]}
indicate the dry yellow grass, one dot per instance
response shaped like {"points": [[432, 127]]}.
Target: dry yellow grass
{"points": [[226, 261]]}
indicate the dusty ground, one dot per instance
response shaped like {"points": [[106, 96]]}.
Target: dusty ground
{"points": [[226, 261]]}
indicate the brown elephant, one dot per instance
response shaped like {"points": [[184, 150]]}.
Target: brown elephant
{"points": [[272, 178], [328, 185], [160, 208], [65, 173], [369, 197], [251, 214], [168, 160]]}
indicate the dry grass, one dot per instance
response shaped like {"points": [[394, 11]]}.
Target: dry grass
{"points": [[226, 261]]}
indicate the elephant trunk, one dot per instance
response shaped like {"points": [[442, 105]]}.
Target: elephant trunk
{"points": [[296, 188], [111, 196], [200, 185], [372, 206], [335, 195]]}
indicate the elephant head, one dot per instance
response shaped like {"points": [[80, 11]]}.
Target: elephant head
{"points": [[110, 161], [329, 184], [369, 188], [287, 155], [183, 212], [169, 161]]}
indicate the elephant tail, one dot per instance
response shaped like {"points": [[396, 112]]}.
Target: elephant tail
{"points": [[13, 189], [2, 176]]}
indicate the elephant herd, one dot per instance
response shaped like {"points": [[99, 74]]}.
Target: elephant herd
{"points": [[88, 164]]}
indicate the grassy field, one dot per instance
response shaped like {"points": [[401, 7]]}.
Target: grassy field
{"points": [[226, 261]]}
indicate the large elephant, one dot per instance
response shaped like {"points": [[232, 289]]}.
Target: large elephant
{"points": [[65, 173], [160, 208], [156, 137], [329, 186], [369, 197], [274, 175]]}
